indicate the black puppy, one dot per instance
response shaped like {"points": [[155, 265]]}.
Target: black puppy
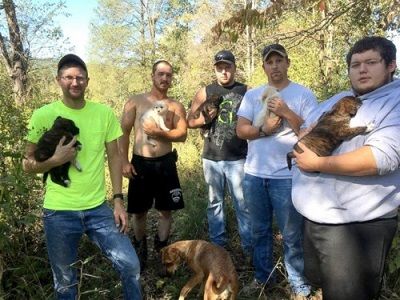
{"points": [[212, 103], [47, 144], [332, 129]]}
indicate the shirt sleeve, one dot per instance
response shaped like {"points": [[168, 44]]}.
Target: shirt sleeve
{"points": [[246, 109], [309, 103], [385, 143]]}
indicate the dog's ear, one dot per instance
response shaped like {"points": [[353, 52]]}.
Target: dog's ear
{"points": [[174, 254], [351, 106], [168, 254]]}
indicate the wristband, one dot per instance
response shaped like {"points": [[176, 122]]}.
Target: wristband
{"points": [[120, 195]]}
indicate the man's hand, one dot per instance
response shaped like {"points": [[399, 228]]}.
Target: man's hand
{"points": [[271, 125], [278, 107], [210, 115], [128, 170], [64, 153], [150, 128], [120, 216], [307, 161]]}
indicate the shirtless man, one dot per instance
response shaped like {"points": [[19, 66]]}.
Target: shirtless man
{"points": [[152, 171]]}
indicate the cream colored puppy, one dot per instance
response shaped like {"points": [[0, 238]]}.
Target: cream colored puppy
{"points": [[269, 93], [156, 114]]}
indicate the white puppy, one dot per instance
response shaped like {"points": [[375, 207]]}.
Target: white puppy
{"points": [[156, 114], [269, 93]]}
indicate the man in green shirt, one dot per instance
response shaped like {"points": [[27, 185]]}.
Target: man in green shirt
{"points": [[80, 208]]}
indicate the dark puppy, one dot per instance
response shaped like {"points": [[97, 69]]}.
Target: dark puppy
{"points": [[47, 145], [332, 128], [212, 103]]}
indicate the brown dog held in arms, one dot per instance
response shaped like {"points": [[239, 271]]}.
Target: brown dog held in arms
{"points": [[212, 103], [332, 128], [211, 264]]}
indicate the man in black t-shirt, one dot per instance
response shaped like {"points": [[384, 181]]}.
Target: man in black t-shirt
{"points": [[223, 153]]}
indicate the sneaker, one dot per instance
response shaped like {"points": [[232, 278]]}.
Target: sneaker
{"points": [[141, 251], [254, 289], [301, 292]]}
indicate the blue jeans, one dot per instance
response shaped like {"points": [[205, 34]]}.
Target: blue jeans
{"points": [[63, 231], [219, 174], [265, 197]]}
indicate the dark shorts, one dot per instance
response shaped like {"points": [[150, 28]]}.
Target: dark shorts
{"points": [[156, 180]]}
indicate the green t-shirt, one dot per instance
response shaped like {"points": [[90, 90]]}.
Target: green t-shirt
{"points": [[97, 125]]}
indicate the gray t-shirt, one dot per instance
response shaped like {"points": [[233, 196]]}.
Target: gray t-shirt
{"points": [[266, 157]]}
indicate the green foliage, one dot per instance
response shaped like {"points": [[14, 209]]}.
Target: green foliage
{"points": [[20, 227]]}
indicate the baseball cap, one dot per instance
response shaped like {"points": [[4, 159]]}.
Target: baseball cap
{"points": [[71, 59], [277, 48], [224, 56]]}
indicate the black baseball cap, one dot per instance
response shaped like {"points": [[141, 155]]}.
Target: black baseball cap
{"points": [[277, 48], [224, 56], [71, 59]]}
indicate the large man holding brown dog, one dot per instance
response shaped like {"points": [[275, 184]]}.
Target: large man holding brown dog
{"points": [[350, 199], [152, 171]]}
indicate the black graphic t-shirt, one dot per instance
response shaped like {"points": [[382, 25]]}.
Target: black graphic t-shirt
{"points": [[222, 142]]}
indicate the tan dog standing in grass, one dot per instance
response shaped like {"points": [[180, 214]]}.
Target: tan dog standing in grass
{"points": [[211, 264]]}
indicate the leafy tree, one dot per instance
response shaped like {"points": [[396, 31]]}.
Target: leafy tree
{"points": [[31, 34], [317, 34]]}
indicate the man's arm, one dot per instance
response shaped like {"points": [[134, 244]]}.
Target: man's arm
{"points": [[115, 166], [127, 123], [246, 131], [62, 154], [179, 131], [280, 108], [198, 100], [360, 162]]}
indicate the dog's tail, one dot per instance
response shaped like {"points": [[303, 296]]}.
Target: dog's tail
{"points": [[289, 157]]}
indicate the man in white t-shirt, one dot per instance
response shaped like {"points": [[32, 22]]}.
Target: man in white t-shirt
{"points": [[268, 183]]}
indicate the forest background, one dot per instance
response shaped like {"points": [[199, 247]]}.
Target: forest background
{"points": [[126, 37]]}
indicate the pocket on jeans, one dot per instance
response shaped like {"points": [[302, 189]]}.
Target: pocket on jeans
{"points": [[47, 213]]}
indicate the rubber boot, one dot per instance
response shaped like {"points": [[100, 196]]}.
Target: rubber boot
{"points": [[158, 245], [141, 251]]}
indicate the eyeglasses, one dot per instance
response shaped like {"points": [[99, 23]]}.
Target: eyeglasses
{"points": [[70, 79], [370, 63]]}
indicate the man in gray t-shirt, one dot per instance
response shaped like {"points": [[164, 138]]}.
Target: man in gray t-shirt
{"points": [[268, 183]]}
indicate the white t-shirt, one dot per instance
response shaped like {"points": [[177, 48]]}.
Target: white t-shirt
{"points": [[266, 157]]}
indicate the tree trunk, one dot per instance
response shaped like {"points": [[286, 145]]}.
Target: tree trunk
{"points": [[15, 59], [326, 46], [249, 41]]}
